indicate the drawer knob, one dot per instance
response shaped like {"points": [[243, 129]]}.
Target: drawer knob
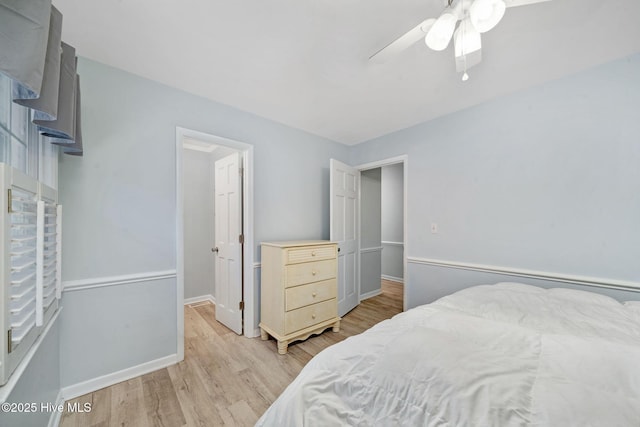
{"points": [[313, 272], [313, 316], [313, 253], [314, 294]]}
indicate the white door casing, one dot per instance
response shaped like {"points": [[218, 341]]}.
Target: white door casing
{"points": [[344, 191], [228, 251]]}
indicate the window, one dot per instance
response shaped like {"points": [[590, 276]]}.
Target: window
{"points": [[21, 146], [29, 232]]}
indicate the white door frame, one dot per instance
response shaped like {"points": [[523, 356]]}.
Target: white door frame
{"points": [[247, 219], [404, 159]]}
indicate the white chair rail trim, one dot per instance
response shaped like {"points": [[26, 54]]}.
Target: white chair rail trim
{"points": [[532, 274], [390, 243], [100, 282], [373, 249]]}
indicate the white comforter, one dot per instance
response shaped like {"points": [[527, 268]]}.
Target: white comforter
{"points": [[493, 355]]}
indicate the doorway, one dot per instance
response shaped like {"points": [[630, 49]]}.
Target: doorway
{"points": [[355, 204], [199, 213], [207, 269], [382, 226]]}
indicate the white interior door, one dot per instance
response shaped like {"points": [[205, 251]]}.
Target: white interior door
{"points": [[228, 230], [344, 189]]}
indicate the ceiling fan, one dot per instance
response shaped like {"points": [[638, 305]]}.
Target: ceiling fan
{"points": [[471, 17]]}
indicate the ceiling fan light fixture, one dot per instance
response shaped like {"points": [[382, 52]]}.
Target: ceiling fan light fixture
{"points": [[485, 14], [441, 32]]}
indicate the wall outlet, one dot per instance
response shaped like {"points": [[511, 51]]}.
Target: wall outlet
{"points": [[434, 228]]}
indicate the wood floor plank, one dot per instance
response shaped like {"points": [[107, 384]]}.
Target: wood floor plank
{"points": [[242, 414], [225, 379], [79, 419], [101, 406], [197, 404], [127, 400], [208, 313], [160, 400]]}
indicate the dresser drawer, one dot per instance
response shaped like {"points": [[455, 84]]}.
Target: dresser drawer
{"points": [[310, 315], [312, 293], [299, 274], [314, 253]]}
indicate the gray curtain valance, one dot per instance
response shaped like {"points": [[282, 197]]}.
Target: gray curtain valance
{"points": [[24, 31], [64, 125], [73, 147], [45, 104], [43, 69]]}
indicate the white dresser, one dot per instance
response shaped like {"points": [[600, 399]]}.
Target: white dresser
{"points": [[298, 290]]}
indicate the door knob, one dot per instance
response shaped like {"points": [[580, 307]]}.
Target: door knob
{"points": [[214, 249]]}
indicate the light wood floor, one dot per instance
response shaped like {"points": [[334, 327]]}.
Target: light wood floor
{"points": [[225, 379]]}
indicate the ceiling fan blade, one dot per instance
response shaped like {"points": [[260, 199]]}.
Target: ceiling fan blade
{"points": [[403, 42], [513, 3]]}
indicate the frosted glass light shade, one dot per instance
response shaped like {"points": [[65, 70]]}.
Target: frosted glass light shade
{"points": [[466, 39], [467, 46], [440, 34], [485, 14]]}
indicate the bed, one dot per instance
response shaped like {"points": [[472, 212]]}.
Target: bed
{"points": [[507, 354]]}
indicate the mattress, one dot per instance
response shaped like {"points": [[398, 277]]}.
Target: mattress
{"points": [[493, 355]]}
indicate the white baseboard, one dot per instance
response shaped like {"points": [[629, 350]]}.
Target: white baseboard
{"points": [[54, 419], [256, 333], [201, 298], [79, 389], [370, 294], [393, 279]]}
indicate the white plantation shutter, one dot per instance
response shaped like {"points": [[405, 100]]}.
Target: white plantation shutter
{"points": [[29, 264], [23, 233]]}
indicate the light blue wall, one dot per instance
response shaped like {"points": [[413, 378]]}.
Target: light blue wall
{"points": [[107, 329], [199, 233], [119, 202], [370, 231], [392, 194], [544, 179], [370, 206]]}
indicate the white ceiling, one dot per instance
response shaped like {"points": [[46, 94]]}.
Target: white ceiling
{"points": [[305, 63]]}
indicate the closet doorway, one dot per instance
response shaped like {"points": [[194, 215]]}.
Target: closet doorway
{"points": [[382, 227], [214, 228]]}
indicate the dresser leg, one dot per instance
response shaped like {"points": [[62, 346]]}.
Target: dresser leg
{"points": [[282, 347], [336, 327], [263, 335]]}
